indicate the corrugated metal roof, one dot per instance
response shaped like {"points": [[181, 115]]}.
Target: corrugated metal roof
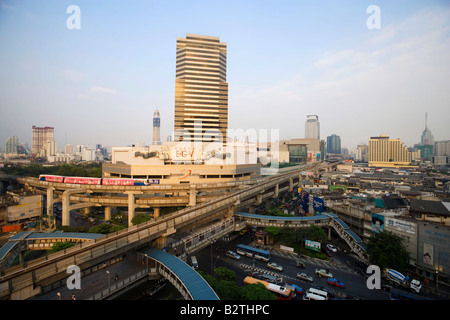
{"points": [[192, 280], [259, 216]]}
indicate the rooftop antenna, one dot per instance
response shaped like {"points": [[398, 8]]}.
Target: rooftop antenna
{"points": [[425, 120]]}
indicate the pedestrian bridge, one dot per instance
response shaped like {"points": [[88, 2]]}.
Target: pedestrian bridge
{"points": [[324, 219], [184, 278], [30, 240]]}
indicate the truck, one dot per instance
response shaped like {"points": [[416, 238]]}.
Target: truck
{"points": [[399, 279]]}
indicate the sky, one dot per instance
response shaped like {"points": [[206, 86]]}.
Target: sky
{"points": [[101, 83]]}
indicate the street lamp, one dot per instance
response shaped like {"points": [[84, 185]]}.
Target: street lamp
{"points": [[211, 255], [146, 260], [109, 280], [59, 295]]}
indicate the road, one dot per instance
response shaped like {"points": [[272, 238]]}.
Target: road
{"points": [[355, 284]]}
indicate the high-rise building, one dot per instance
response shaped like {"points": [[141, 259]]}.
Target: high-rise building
{"points": [[201, 90], [427, 138], [40, 137], [312, 127], [334, 144], [385, 152], [156, 128], [442, 148], [68, 149], [11, 145]]}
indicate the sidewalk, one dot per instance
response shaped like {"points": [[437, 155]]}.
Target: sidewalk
{"points": [[97, 281]]}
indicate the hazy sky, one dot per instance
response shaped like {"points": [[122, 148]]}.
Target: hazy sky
{"points": [[286, 59]]}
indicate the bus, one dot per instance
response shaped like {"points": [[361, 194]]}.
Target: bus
{"points": [[281, 292], [251, 252], [194, 262], [316, 292], [403, 295]]}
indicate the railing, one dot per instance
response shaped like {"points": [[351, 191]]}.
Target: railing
{"points": [[121, 284]]}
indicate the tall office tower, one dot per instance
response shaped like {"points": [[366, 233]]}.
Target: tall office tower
{"points": [[334, 144], [156, 128], [201, 90], [68, 149], [387, 152], [40, 137], [11, 145], [312, 127], [427, 138], [442, 148]]}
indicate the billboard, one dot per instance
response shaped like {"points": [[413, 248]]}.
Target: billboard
{"points": [[312, 245], [377, 223], [304, 201], [318, 204]]}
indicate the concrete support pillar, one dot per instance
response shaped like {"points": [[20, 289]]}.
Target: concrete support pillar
{"points": [[160, 243], [329, 233], [268, 203], [258, 199], [66, 205], [276, 191], [192, 195], [50, 201], [107, 213], [156, 212], [87, 210], [291, 184], [230, 212], [251, 209], [131, 207]]}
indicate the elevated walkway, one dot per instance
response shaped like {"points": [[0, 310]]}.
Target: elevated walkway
{"points": [[30, 240], [187, 281], [323, 219]]}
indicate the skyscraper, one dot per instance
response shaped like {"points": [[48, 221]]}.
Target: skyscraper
{"points": [[201, 90], [11, 145], [427, 138], [334, 144], [156, 128], [312, 127], [40, 137], [387, 152]]}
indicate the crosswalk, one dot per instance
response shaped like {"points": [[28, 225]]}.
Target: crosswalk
{"points": [[321, 263]]}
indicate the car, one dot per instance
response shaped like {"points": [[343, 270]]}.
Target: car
{"points": [[331, 247], [298, 290], [274, 266], [305, 277], [331, 292], [335, 282], [323, 273], [233, 255], [327, 252]]}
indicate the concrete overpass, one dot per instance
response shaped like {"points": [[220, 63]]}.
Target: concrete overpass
{"points": [[24, 281]]}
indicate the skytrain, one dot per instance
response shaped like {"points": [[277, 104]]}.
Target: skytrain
{"points": [[98, 181]]}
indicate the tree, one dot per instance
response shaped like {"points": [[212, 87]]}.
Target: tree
{"points": [[256, 291], [386, 250], [60, 246], [315, 233], [140, 218]]}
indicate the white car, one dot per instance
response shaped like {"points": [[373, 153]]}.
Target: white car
{"points": [[274, 266], [331, 247], [305, 277], [233, 255], [323, 273]]}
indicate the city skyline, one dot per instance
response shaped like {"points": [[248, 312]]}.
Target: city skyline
{"points": [[285, 60]]}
